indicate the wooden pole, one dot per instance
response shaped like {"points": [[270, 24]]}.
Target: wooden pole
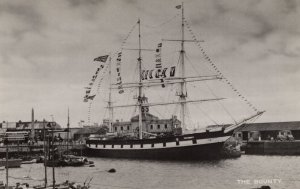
{"points": [[68, 125], [6, 165], [53, 166], [45, 153]]}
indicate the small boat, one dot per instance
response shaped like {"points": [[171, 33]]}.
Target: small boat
{"points": [[12, 163], [29, 161], [69, 160], [65, 185]]}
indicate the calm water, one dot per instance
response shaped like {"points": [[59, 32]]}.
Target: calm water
{"points": [[139, 174]]}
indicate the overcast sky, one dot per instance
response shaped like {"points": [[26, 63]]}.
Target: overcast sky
{"points": [[47, 48]]}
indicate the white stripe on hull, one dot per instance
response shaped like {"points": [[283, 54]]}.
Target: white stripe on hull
{"points": [[160, 145]]}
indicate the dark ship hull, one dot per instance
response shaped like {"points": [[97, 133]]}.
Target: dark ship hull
{"points": [[207, 145]]}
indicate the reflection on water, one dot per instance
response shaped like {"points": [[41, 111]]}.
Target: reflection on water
{"points": [[245, 172]]}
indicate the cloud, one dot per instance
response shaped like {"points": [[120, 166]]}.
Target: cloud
{"points": [[77, 3], [24, 16], [49, 45]]}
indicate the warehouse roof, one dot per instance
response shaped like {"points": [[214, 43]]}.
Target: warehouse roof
{"points": [[270, 126]]}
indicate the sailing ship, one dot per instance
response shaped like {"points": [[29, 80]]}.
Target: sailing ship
{"points": [[172, 145]]}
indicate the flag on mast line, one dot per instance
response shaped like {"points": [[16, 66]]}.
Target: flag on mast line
{"points": [[178, 7], [91, 97], [101, 58]]}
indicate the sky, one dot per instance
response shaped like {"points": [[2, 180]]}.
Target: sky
{"points": [[47, 50]]}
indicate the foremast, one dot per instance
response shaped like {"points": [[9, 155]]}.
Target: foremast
{"points": [[140, 88]]}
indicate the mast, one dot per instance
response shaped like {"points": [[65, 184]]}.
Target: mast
{"points": [[32, 124], [45, 153], [6, 162], [68, 127], [53, 161], [183, 94], [140, 84], [110, 108]]}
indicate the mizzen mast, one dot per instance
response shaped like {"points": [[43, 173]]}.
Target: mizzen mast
{"points": [[183, 93]]}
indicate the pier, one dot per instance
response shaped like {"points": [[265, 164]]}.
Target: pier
{"points": [[273, 148], [38, 149]]}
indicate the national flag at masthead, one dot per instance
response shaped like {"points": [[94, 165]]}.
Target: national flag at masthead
{"points": [[101, 58], [178, 7]]}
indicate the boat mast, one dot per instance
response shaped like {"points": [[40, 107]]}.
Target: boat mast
{"points": [[110, 108], [45, 153], [68, 126], [140, 83], [6, 161], [53, 162], [183, 94], [32, 125]]}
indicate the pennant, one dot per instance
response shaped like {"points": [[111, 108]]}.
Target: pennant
{"points": [[101, 58], [178, 7], [91, 97]]}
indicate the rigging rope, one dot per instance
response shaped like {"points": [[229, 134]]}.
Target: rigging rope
{"points": [[205, 114], [127, 36], [212, 92], [89, 112], [208, 59], [97, 92], [164, 23], [188, 116]]}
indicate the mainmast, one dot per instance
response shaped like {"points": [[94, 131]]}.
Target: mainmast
{"points": [[110, 108], [140, 102], [183, 93]]}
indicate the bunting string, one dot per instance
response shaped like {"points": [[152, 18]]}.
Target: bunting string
{"points": [[158, 61], [211, 63], [119, 78], [89, 112], [97, 92], [102, 60], [164, 23], [127, 36], [101, 79]]}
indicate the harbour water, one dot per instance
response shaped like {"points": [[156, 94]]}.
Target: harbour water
{"points": [[248, 171]]}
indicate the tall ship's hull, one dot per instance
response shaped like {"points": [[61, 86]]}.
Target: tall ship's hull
{"points": [[184, 147]]}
